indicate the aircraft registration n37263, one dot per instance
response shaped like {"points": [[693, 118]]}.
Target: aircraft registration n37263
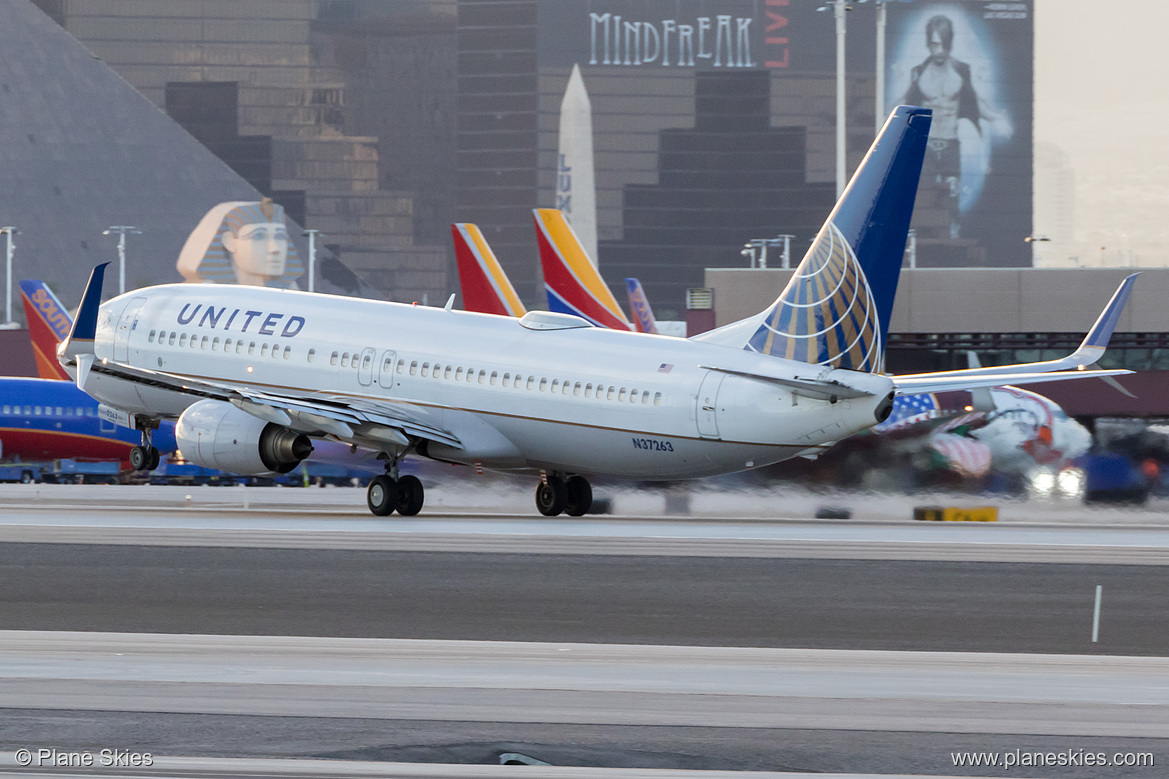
{"points": [[548, 393]]}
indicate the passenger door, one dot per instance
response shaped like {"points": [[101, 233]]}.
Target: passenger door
{"points": [[385, 369], [707, 411], [365, 367], [126, 325]]}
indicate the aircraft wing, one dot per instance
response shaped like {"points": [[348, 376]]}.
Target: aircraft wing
{"points": [[366, 422]]}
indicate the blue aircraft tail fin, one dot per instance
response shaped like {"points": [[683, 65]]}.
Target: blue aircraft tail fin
{"points": [[835, 310]]}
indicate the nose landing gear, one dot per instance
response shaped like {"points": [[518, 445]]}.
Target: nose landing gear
{"points": [[556, 494], [145, 457]]}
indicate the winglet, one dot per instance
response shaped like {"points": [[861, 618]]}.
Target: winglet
{"points": [[643, 315], [81, 335], [48, 325], [1101, 332]]}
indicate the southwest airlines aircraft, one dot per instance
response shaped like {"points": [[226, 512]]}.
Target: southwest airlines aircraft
{"points": [[254, 374], [572, 282], [51, 419]]}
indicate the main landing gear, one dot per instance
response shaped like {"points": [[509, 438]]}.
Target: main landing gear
{"points": [[145, 457], [389, 493], [557, 494]]}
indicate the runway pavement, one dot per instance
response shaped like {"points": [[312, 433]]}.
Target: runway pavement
{"points": [[329, 519], [593, 684], [214, 768], [759, 639], [573, 704], [689, 600]]}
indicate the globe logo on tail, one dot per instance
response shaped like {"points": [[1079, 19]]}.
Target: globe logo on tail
{"points": [[826, 315]]}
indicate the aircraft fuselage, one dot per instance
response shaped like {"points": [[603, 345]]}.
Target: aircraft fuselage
{"points": [[580, 400]]}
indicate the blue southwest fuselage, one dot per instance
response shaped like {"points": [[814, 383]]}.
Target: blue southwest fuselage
{"points": [[41, 419]]}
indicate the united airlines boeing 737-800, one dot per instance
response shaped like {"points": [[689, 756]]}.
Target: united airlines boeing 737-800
{"points": [[254, 374]]}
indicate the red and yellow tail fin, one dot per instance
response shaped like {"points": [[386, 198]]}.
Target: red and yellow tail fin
{"points": [[573, 285], [48, 324], [486, 288]]}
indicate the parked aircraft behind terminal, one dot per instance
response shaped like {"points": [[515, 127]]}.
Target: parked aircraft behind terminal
{"points": [[486, 287], [643, 316], [47, 419], [48, 324], [571, 280], [254, 375]]}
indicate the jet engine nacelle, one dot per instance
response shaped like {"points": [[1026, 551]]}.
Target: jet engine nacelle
{"points": [[218, 435]]}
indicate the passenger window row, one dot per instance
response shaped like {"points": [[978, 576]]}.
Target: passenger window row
{"points": [[48, 411], [532, 383], [215, 344], [347, 360], [425, 370]]}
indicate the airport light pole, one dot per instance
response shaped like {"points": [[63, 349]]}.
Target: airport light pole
{"points": [[841, 146], [121, 230], [748, 251], [882, 21], [11, 247], [839, 7], [312, 258], [787, 250]]}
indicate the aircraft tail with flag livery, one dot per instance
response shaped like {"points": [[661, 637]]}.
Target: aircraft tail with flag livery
{"points": [[643, 315], [48, 324]]}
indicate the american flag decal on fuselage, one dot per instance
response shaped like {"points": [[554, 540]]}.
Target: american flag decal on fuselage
{"points": [[826, 315]]}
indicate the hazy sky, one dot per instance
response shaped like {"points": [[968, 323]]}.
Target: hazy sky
{"points": [[1102, 96]]}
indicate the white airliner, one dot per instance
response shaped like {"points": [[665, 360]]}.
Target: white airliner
{"points": [[254, 374]]}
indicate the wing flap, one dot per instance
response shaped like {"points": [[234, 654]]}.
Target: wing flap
{"points": [[343, 418]]}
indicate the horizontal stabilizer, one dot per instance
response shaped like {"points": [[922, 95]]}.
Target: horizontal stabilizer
{"points": [[1091, 349], [935, 382]]}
